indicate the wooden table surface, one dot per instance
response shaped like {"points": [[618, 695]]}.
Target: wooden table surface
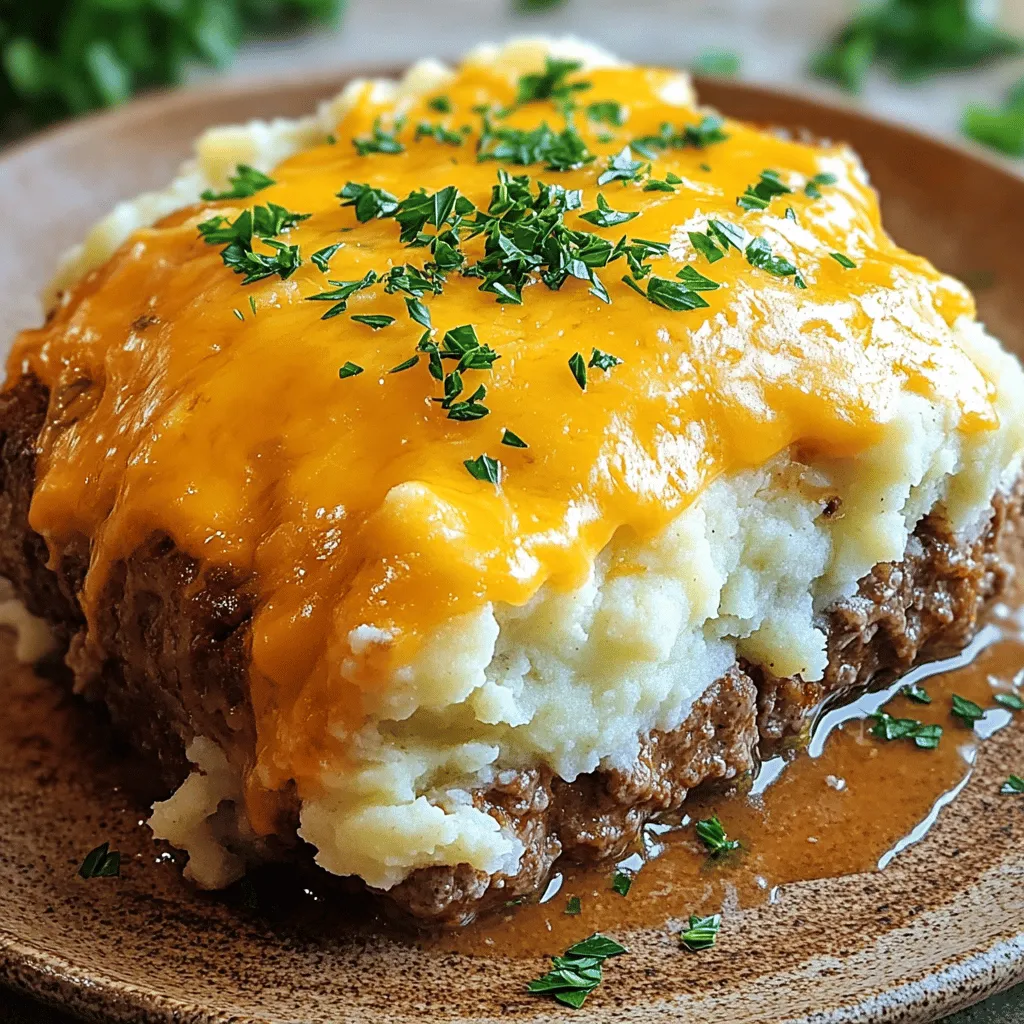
{"points": [[774, 39]]}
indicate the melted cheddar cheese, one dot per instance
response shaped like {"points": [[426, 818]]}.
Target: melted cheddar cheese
{"points": [[186, 403]]}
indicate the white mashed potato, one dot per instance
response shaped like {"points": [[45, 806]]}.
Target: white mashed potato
{"points": [[572, 680]]}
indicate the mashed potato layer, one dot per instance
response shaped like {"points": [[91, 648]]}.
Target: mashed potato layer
{"points": [[575, 674]]}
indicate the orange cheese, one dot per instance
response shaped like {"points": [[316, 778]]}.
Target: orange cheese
{"points": [[348, 501]]}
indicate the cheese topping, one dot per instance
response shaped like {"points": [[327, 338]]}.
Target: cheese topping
{"points": [[189, 403]]}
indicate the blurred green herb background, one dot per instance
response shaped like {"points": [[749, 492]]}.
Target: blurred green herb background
{"points": [[59, 58]]}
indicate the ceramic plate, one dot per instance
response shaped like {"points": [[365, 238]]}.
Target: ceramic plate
{"points": [[941, 927]]}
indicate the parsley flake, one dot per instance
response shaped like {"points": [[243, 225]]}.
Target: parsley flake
{"points": [[1013, 785], [551, 83], [713, 835], [579, 370], [418, 312], [843, 260], [573, 906], [604, 216], [408, 364], [607, 112], [603, 360], [341, 293], [759, 254], [577, 972], [442, 104], [368, 202], [380, 141], [622, 883], [484, 468], [702, 933], [621, 167], [439, 133], [888, 728], [696, 281], [1009, 700], [705, 245], [101, 863], [349, 370], [321, 259], [966, 710], [813, 186], [512, 440], [245, 182], [758, 196], [914, 692], [673, 295]]}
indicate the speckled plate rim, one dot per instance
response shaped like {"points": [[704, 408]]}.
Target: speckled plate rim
{"points": [[56, 979]]}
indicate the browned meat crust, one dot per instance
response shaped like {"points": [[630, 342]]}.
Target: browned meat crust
{"points": [[170, 651]]}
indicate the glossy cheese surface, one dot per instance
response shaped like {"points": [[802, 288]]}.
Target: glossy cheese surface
{"points": [[186, 403]]}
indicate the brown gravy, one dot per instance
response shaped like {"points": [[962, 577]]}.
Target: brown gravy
{"points": [[847, 805]]}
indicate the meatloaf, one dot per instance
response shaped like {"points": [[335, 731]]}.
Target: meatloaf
{"points": [[174, 644], [452, 480]]}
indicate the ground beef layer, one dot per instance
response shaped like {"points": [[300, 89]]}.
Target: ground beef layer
{"points": [[169, 655]]}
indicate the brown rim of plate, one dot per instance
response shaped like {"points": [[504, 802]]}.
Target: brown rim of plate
{"points": [[859, 948]]}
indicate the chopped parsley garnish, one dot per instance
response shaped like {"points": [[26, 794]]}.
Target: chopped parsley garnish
{"points": [[696, 281], [374, 320], [1009, 700], [673, 295], [468, 409], [577, 972], [441, 104], [245, 182], [262, 222], [101, 863], [813, 186], [368, 202], [252, 304], [791, 214], [558, 151], [574, 906], [727, 234], [712, 834], [551, 82], [379, 141], [657, 185], [621, 167], [622, 883], [341, 293], [607, 112], [603, 360], [702, 933], [768, 186], [239, 315], [408, 364], [888, 728], [704, 133], [843, 260], [1013, 785], [759, 254], [579, 370], [439, 133], [512, 440], [418, 312], [350, 370], [321, 259], [484, 468], [966, 710], [706, 246], [914, 692], [604, 216]]}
